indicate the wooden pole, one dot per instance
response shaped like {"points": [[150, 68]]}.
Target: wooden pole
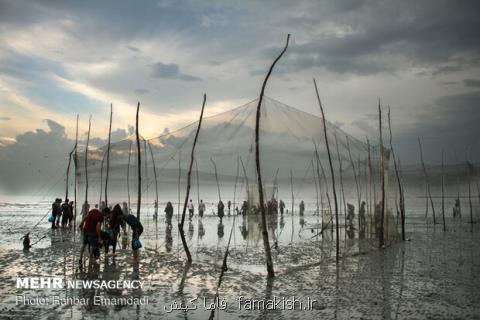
{"points": [[192, 157], [154, 173], [216, 178], [356, 180], [86, 165], [198, 182], [139, 163], [108, 155], [341, 181], [266, 244], [337, 256], [128, 175], [316, 187], [370, 182], [443, 189], [382, 173], [399, 181], [426, 180], [101, 179], [235, 186], [75, 160], [68, 172]]}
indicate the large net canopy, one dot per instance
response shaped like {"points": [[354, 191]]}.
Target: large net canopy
{"points": [[293, 157]]}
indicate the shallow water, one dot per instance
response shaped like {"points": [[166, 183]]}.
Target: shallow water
{"points": [[432, 276]]}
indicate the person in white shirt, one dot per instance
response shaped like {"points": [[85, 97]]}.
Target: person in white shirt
{"points": [[191, 209]]}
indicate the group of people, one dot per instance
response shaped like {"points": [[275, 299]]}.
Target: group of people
{"points": [[62, 213], [101, 228]]}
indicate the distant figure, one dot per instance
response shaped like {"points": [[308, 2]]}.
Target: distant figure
{"points": [[168, 213], [244, 208], [91, 226], [456, 208], [302, 207], [71, 214], [350, 213], [201, 208], [220, 208], [26, 242], [229, 205], [65, 213], [103, 205], [137, 230], [155, 212], [191, 209], [56, 212], [362, 221], [282, 206]]}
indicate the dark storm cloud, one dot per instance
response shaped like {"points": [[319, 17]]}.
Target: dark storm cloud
{"points": [[170, 71], [452, 123], [429, 33]]}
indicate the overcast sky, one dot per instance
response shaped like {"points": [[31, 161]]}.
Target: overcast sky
{"points": [[62, 58]]}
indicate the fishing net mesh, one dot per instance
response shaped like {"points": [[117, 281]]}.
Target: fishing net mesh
{"points": [[224, 167]]}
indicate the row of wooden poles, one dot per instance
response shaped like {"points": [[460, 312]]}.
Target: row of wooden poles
{"points": [[268, 257]]}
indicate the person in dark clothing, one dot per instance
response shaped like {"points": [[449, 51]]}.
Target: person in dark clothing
{"points": [[221, 208], [114, 222], [168, 213], [65, 213], [282, 206], [137, 230], [56, 212], [302, 208]]}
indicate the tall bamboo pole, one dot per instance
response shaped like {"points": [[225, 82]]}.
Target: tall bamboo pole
{"points": [[266, 244], [426, 180], [192, 157], [154, 173], [443, 189], [337, 256], [128, 176], [235, 186], [216, 179], [86, 164], [370, 182], [75, 161], [399, 181], [108, 155], [341, 181], [198, 182], [245, 175], [356, 180], [139, 163], [382, 173]]}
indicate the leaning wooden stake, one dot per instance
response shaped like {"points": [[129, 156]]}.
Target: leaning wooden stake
{"points": [[337, 256], [86, 164], [382, 173], [139, 163], [192, 157], [108, 155], [426, 180], [399, 181], [268, 255]]}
